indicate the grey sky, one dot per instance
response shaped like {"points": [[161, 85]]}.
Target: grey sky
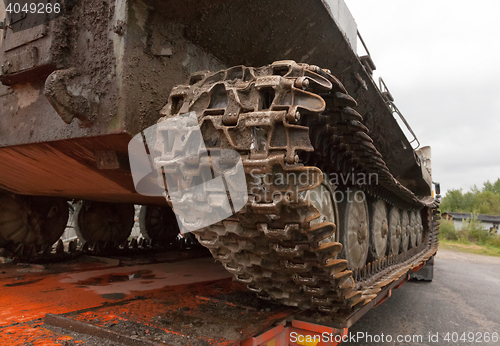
{"points": [[440, 59]]}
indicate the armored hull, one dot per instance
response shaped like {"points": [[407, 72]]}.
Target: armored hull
{"points": [[78, 87]]}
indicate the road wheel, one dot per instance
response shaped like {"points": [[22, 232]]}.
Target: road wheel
{"points": [[379, 229], [419, 228], [415, 228], [103, 222], [52, 214], [394, 231], [353, 212], [405, 231], [158, 224], [413, 234], [30, 220]]}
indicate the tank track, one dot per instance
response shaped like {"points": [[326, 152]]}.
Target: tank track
{"points": [[289, 118], [47, 248], [60, 252]]}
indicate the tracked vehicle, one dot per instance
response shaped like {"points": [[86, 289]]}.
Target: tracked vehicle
{"points": [[77, 88]]}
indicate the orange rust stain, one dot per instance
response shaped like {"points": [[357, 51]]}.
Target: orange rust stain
{"points": [[32, 301], [32, 334], [27, 297], [169, 301], [98, 318]]}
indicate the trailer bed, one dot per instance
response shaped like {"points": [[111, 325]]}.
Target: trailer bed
{"points": [[166, 299]]}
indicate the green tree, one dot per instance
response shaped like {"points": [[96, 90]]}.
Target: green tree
{"points": [[479, 201], [453, 201], [495, 187]]}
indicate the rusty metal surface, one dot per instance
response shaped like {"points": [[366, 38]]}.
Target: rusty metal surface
{"points": [[190, 302], [275, 245], [122, 304], [90, 329], [73, 169], [93, 291], [190, 315]]}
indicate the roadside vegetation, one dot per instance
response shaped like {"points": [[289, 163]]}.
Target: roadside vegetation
{"points": [[471, 237], [485, 200], [470, 232], [484, 250]]}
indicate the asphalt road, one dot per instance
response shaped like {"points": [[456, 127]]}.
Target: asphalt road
{"points": [[463, 297]]}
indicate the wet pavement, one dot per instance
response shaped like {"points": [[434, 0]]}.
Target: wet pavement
{"points": [[29, 292], [175, 301]]}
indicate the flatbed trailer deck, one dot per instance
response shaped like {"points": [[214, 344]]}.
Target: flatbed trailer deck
{"points": [[176, 298]]}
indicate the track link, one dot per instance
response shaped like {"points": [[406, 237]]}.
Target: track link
{"points": [[287, 120]]}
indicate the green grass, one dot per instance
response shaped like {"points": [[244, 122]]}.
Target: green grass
{"points": [[471, 238], [468, 247]]}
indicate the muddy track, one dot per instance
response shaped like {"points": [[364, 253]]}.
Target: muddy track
{"points": [[290, 120]]}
